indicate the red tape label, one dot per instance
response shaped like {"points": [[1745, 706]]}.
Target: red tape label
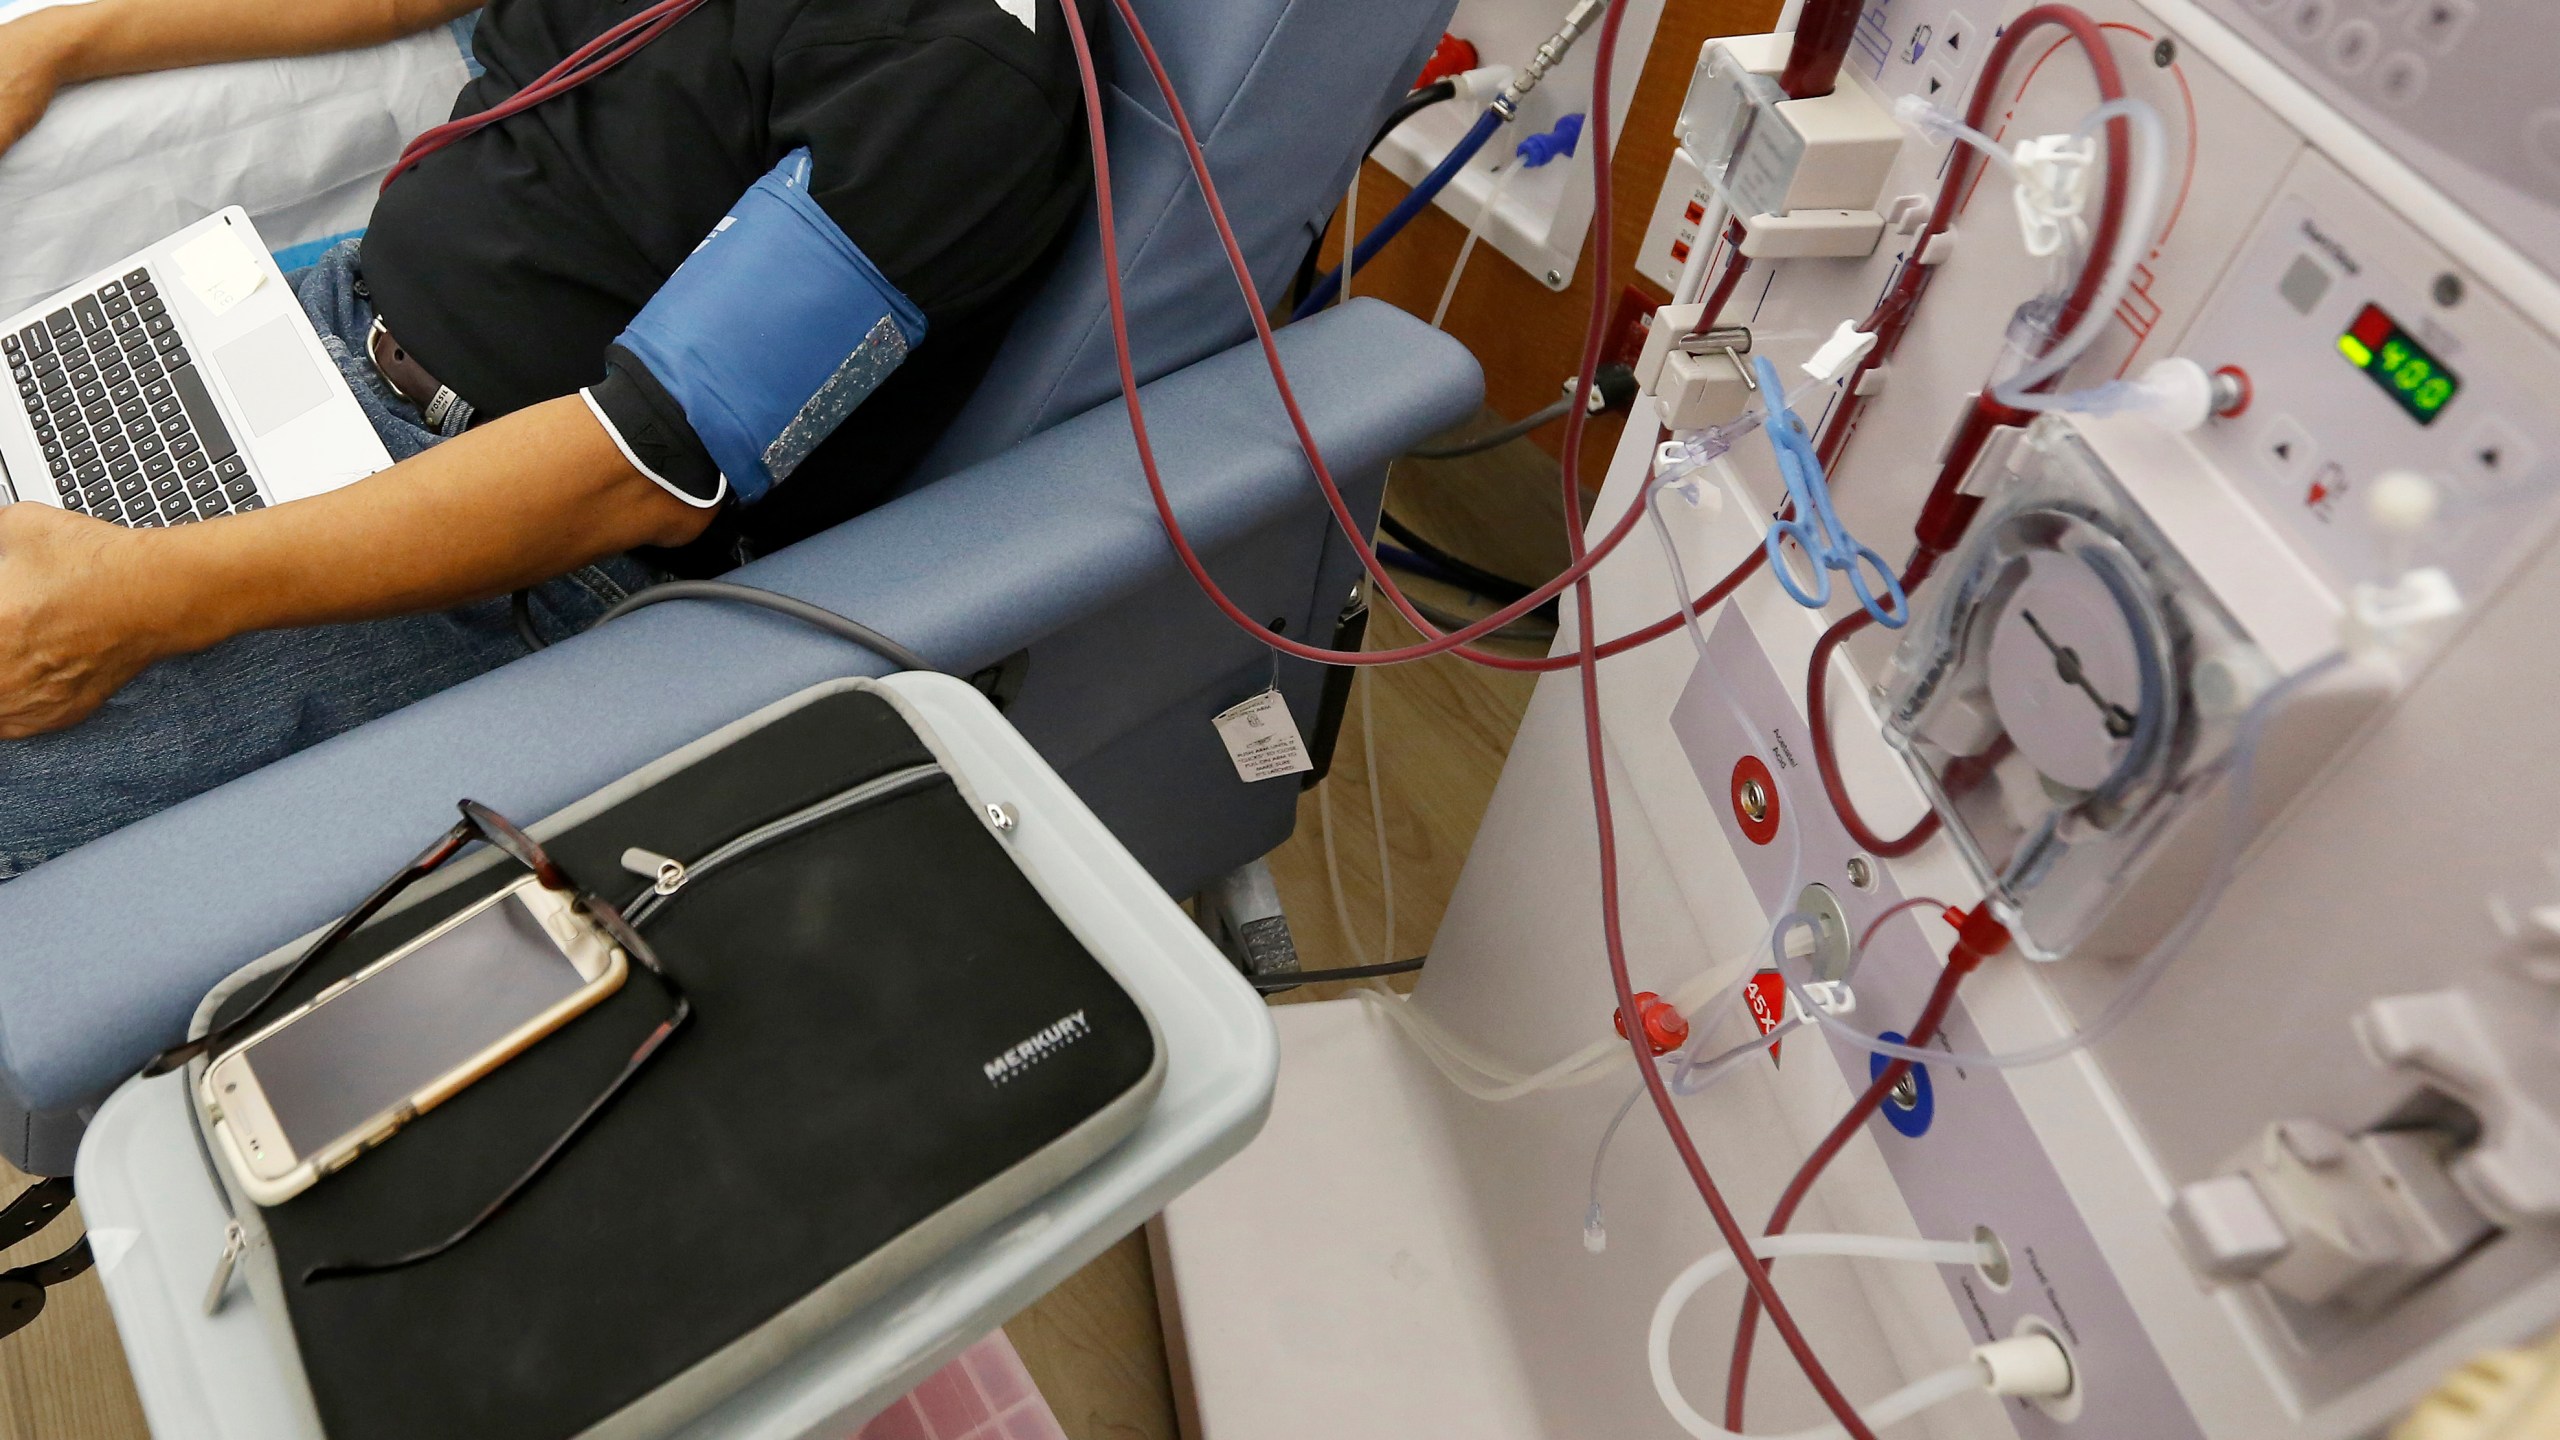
{"points": [[1766, 998]]}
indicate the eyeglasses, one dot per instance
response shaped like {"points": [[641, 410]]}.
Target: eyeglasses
{"points": [[483, 824]]}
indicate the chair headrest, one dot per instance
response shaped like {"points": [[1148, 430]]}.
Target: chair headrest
{"points": [[1284, 94]]}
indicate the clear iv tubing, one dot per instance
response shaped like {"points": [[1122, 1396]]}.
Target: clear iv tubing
{"points": [[2132, 247], [1478, 1075], [1678, 573], [1359, 252], [1475, 233], [1350, 226], [1688, 1077], [2143, 192], [1901, 1405], [1584, 558], [1487, 1079], [1595, 1228], [1378, 815], [1699, 448], [2226, 859], [1598, 1060], [1333, 871], [1691, 1076]]}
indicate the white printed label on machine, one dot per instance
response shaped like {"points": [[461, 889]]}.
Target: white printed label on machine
{"points": [[1262, 739]]}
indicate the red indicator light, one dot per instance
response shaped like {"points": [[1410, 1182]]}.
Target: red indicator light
{"points": [[2372, 327], [2406, 370]]}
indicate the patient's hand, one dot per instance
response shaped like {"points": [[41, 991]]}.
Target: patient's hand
{"points": [[85, 606], [75, 616]]}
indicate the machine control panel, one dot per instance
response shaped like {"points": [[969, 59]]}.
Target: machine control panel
{"points": [[2372, 361], [2432, 79]]}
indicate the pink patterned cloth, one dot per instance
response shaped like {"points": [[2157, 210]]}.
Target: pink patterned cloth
{"points": [[983, 1395]]}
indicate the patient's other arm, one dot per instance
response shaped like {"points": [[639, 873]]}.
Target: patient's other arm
{"points": [[85, 606], [52, 48]]}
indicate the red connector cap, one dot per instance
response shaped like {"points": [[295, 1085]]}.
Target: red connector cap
{"points": [[1665, 1028], [1978, 937], [1452, 56], [2232, 392]]}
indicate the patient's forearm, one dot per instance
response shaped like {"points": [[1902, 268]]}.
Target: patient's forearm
{"points": [[122, 37], [508, 504]]}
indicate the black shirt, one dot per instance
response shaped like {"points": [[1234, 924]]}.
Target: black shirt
{"points": [[948, 143]]}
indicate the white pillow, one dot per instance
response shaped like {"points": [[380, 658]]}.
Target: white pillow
{"points": [[301, 144]]}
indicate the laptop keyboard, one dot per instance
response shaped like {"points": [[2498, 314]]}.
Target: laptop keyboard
{"points": [[129, 431]]}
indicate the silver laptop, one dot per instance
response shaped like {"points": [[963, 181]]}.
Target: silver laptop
{"points": [[181, 383]]}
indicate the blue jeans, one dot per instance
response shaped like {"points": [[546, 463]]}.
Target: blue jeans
{"points": [[187, 725]]}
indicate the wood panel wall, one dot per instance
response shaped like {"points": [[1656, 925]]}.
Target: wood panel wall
{"points": [[1530, 337]]}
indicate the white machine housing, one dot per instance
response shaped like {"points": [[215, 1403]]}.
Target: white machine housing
{"points": [[2316, 1170]]}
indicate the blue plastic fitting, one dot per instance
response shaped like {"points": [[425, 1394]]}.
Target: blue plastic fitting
{"points": [[1401, 216], [1553, 144]]}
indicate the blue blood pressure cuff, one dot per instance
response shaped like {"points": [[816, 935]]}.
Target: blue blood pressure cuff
{"points": [[765, 338]]}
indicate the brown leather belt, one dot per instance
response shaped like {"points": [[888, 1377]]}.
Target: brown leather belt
{"points": [[401, 371]]}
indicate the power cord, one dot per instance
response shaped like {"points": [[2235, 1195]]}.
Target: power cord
{"points": [[1457, 570], [1477, 445], [520, 610], [800, 610], [1292, 979], [1614, 389], [1414, 103], [817, 616]]}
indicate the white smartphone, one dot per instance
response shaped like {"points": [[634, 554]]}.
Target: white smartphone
{"points": [[304, 1096]]}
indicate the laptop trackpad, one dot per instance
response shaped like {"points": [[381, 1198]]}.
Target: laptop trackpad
{"points": [[272, 376]]}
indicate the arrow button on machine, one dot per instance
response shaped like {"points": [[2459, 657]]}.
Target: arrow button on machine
{"points": [[2493, 458], [2286, 449], [2441, 24]]}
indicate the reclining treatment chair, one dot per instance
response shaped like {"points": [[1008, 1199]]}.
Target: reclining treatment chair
{"points": [[1028, 538]]}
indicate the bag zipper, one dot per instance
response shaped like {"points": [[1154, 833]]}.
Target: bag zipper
{"points": [[668, 877], [235, 1241]]}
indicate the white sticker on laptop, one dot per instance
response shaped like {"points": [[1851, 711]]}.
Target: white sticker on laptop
{"points": [[219, 269], [1262, 739]]}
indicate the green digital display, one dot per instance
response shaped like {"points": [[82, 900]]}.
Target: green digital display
{"points": [[2406, 370]]}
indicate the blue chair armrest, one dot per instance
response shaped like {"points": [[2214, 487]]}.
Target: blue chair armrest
{"points": [[105, 952]]}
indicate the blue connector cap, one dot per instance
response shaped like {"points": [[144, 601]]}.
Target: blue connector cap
{"points": [[1553, 144]]}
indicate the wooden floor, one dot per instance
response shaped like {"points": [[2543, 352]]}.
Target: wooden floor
{"points": [[1443, 727], [63, 1377], [1094, 1344]]}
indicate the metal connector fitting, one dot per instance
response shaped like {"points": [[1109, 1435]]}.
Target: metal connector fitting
{"points": [[1550, 55], [1718, 340], [2232, 392]]}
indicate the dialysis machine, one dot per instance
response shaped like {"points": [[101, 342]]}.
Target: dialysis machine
{"points": [[2235, 701]]}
